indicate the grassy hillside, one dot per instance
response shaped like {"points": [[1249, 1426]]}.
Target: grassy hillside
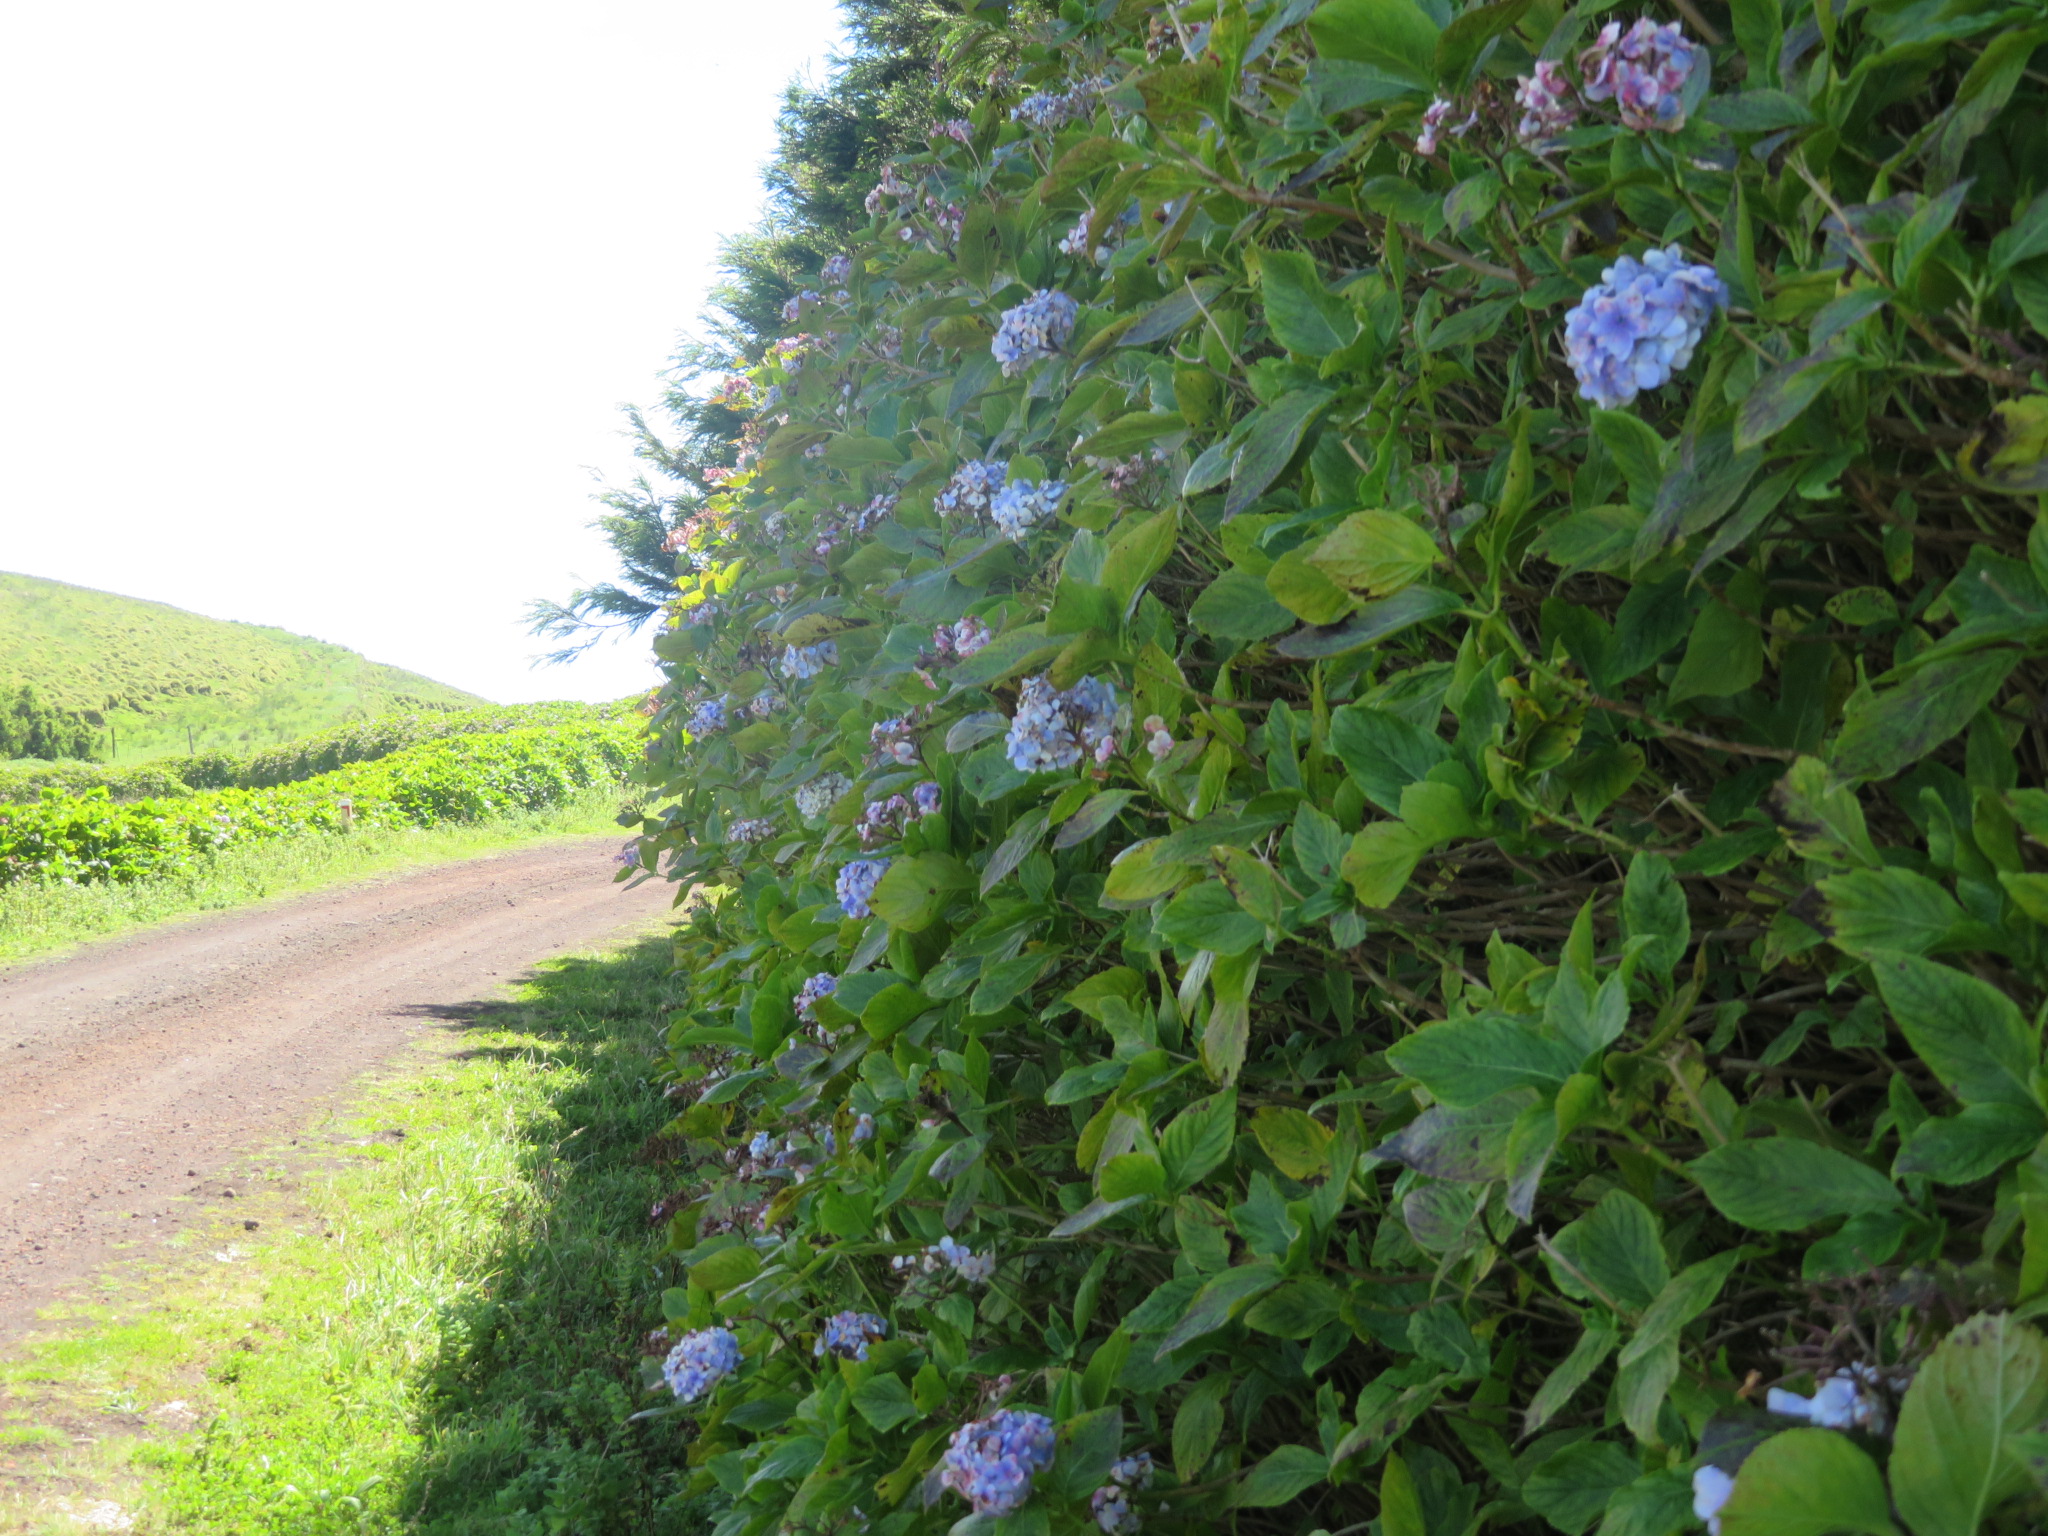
{"points": [[166, 680]]}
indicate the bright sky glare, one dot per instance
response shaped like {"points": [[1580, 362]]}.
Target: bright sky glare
{"points": [[321, 316]]}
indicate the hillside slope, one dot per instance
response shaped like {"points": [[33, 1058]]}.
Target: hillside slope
{"points": [[164, 679]]}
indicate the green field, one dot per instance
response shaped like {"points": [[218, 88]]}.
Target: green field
{"points": [[163, 680]]}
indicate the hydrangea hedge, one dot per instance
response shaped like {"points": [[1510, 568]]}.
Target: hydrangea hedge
{"points": [[1367, 709]]}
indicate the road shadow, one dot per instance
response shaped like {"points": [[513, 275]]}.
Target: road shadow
{"points": [[524, 1427]]}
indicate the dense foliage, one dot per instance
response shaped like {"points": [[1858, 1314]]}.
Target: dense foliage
{"points": [[1364, 720], [164, 680], [30, 727], [170, 777], [89, 837]]}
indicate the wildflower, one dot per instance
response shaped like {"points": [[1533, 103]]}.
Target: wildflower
{"points": [[820, 795], [973, 486], [836, 271], [856, 885], [1055, 109], [754, 829], [1434, 118], [946, 1253], [1052, 729], [963, 639], [707, 717], [761, 1146], [958, 129], [1640, 324], [1642, 71], [807, 661], [991, 1461], [890, 741], [1545, 100], [1845, 1400], [764, 704], [924, 799], [874, 512], [1023, 504], [1710, 1490], [950, 218], [1039, 327], [1158, 740], [699, 1362], [1111, 1503], [882, 820], [848, 1334], [628, 856], [863, 1128], [824, 984]]}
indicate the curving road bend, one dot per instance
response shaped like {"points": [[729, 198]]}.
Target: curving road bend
{"points": [[134, 1070]]}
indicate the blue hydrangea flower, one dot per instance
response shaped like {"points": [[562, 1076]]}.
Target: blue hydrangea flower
{"points": [[924, 799], [973, 486], [754, 829], [1052, 729], [991, 1461], [1111, 1503], [857, 882], [1039, 327], [1640, 324], [837, 270], [807, 661], [848, 1334], [699, 1362], [863, 1128], [761, 1146], [1642, 71], [707, 717], [1022, 504], [824, 984]]}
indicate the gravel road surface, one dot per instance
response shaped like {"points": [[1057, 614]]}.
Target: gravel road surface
{"points": [[133, 1071]]}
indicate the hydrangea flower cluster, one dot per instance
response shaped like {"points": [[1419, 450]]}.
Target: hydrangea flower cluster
{"points": [[1052, 729], [975, 1268], [1545, 100], [820, 795], [1846, 1400], [972, 488], [856, 885], [836, 271], [1158, 740], [925, 798], [1434, 119], [1039, 327], [628, 856], [1642, 71], [1640, 324], [1048, 110], [958, 129], [991, 1461], [699, 1362], [960, 641], [1023, 504], [1122, 477], [754, 829], [1111, 1503], [764, 704], [891, 185], [1711, 1488], [863, 1128], [707, 717], [824, 984], [802, 662], [890, 741], [848, 1334], [877, 509], [1075, 241], [882, 820], [794, 308]]}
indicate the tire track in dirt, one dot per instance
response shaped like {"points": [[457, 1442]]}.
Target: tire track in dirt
{"points": [[133, 1070]]}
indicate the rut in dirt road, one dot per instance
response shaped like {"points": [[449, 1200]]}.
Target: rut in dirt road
{"points": [[133, 1070]]}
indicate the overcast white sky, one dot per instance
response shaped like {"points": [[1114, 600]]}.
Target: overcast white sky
{"points": [[320, 315]]}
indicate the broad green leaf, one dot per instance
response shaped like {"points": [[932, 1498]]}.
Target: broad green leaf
{"points": [[1383, 752], [1464, 1145], [1888, 909], [1197, 1425], [1207, 916], [1885, 732], [1299, 1309], [1570, 1374], [1967, 1030], [1961, 1149], [1463, 1062], [1952, 1455], [1237, 606], [1283, 1476], [1612, 1254], [1305, 591], [1198, 1139], [1808, 1482], [884, 1401], [1306, 317], [1782, 395], [1380, 860], [1375, 621], [1297, 1142], [1376, 553], [1571, 1487], [1782, 1185], [1220, 1299], [1396, 36], [1724, 656], [1653, 908], [1275, 435], [913, 891]]}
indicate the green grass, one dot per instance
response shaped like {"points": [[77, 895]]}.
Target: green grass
{"points": [[435, 1333], [157, 672], [38, 920]]}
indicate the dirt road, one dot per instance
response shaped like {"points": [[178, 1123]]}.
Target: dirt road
{"points": [[132, 1071]]}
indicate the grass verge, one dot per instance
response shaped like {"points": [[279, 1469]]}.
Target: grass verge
{"points": [[37, 920], [433, 1329]]}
